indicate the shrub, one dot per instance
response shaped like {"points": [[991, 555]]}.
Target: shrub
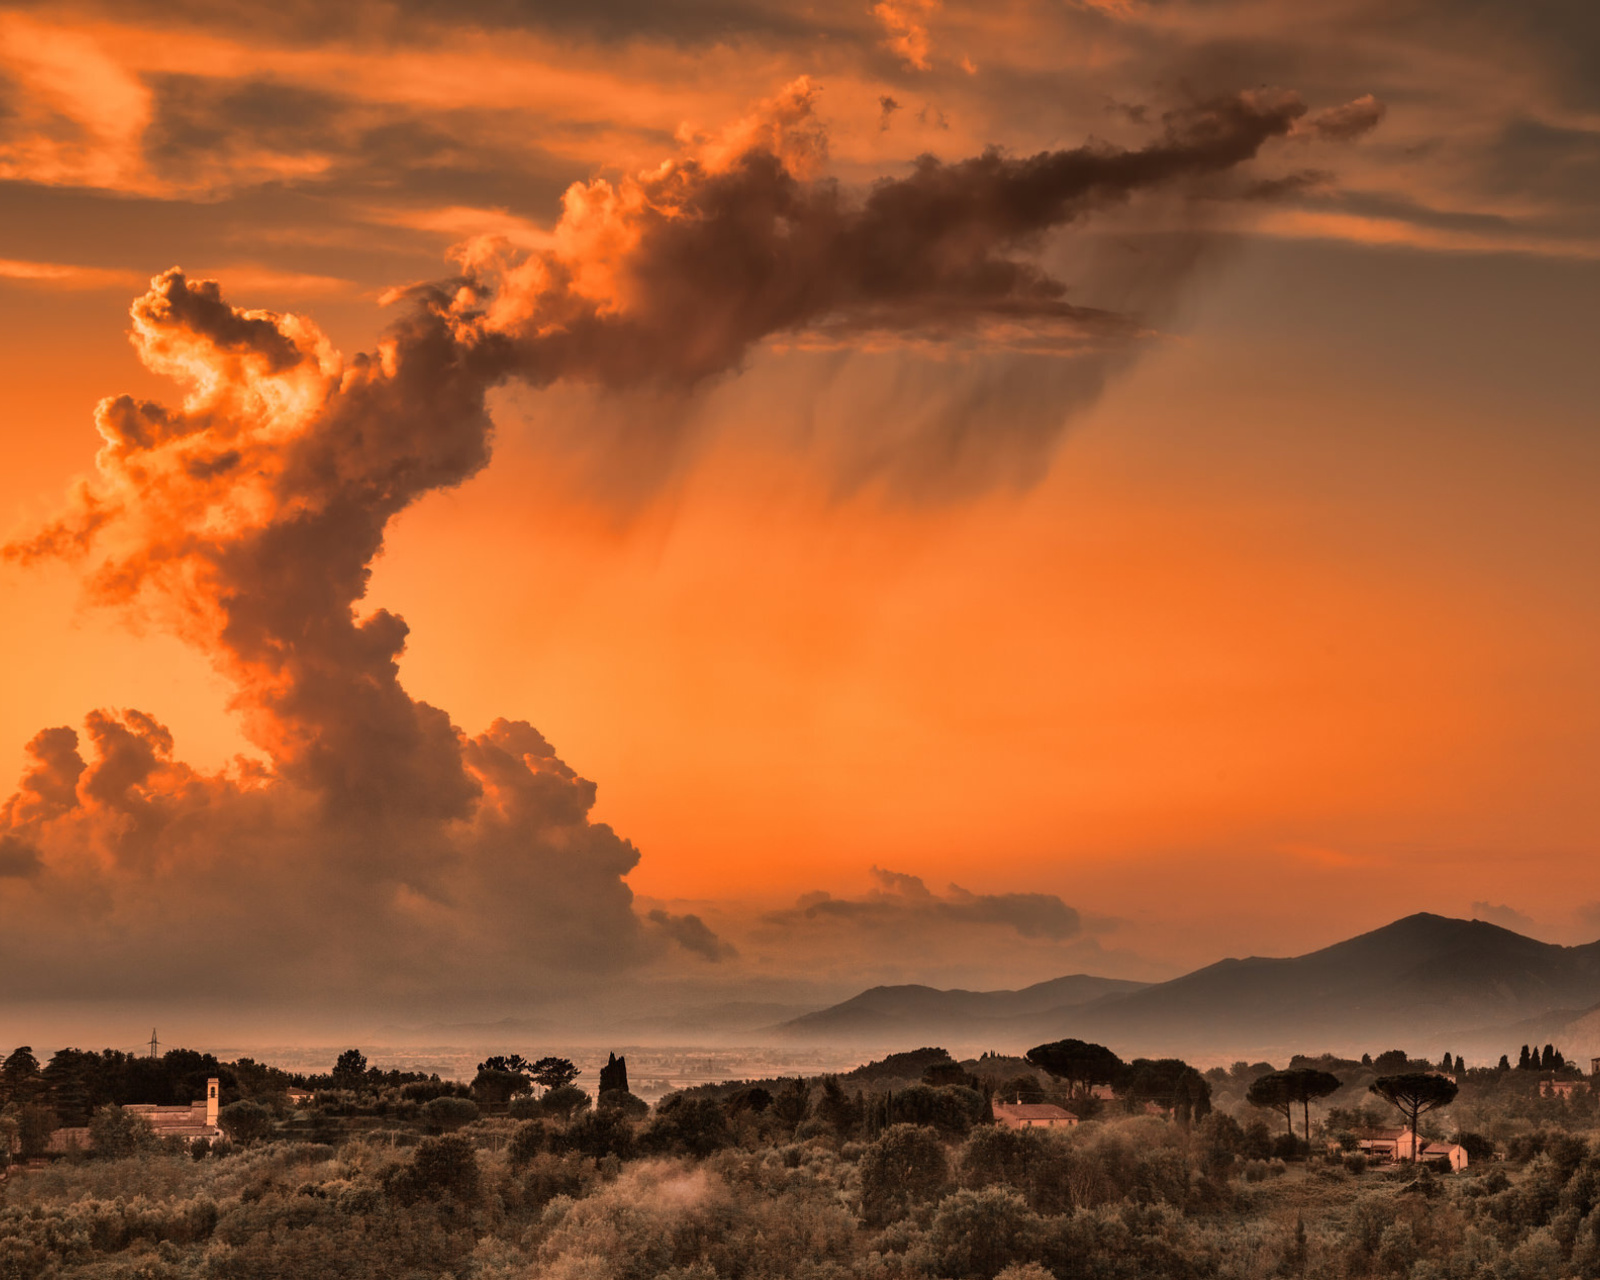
{"points": [[688, 1126], [565, 1101], [904, 1166], [531, 1138], [1261, 1170], [438, 1168], [754, 1098], [449, 1113], [547, 1176], [994, 1154], [1478, 1147], [1218, 1141], [492, 1088], [1025, 1271], [596, 1134], [1255, 1143], [1289, 1146], [792, 1104], [244, 1121], [428, 1090], [115, 1133], [843, 1112], [634, 1108], [977, 1234], [35, 1124], [952, 1108]]}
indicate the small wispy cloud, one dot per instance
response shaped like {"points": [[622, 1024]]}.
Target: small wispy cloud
{"points": [[1504, 916], [67, 275]]}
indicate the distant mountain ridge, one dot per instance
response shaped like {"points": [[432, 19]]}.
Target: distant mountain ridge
{"points": [[908, 1011], [1425, 983]]}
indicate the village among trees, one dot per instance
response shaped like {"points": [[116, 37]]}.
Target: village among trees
{"points": [[1067, 1162]]}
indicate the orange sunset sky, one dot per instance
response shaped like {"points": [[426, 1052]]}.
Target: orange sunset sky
{"points": [[1158, 524]]}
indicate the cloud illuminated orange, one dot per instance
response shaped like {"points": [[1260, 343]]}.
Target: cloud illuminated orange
{"points": [[1081, 480]]}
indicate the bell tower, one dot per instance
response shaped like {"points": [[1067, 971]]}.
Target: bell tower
{"points": [[211, 1102]]}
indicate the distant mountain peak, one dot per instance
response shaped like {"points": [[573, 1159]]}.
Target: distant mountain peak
{"points": [[1421, 982], [911, 1011]]}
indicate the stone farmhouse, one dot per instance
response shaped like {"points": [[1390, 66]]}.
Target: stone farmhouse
{"points": [[1032, 1115], [1388, 1146], [192, 1122], [1454, 1152]]}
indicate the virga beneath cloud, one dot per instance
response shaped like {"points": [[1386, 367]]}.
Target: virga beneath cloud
{"points": [[374, 848]]}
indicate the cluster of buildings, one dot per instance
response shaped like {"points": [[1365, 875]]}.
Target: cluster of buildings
{"points": [[1382, 1146], [1391, 1146], [190, 1122]]}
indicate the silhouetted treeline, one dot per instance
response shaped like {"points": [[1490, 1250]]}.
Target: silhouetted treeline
{"points": [[74, 1083]]}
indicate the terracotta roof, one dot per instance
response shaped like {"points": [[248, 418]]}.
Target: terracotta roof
{"points": [[1032, 1111]]}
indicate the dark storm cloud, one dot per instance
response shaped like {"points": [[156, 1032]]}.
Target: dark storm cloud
{"points": [[692, 934], [903, 906], [726, 256], [726, 250]]}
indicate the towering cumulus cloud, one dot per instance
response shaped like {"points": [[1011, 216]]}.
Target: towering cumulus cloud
{"points": [[673, 275], [379, 849]]}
